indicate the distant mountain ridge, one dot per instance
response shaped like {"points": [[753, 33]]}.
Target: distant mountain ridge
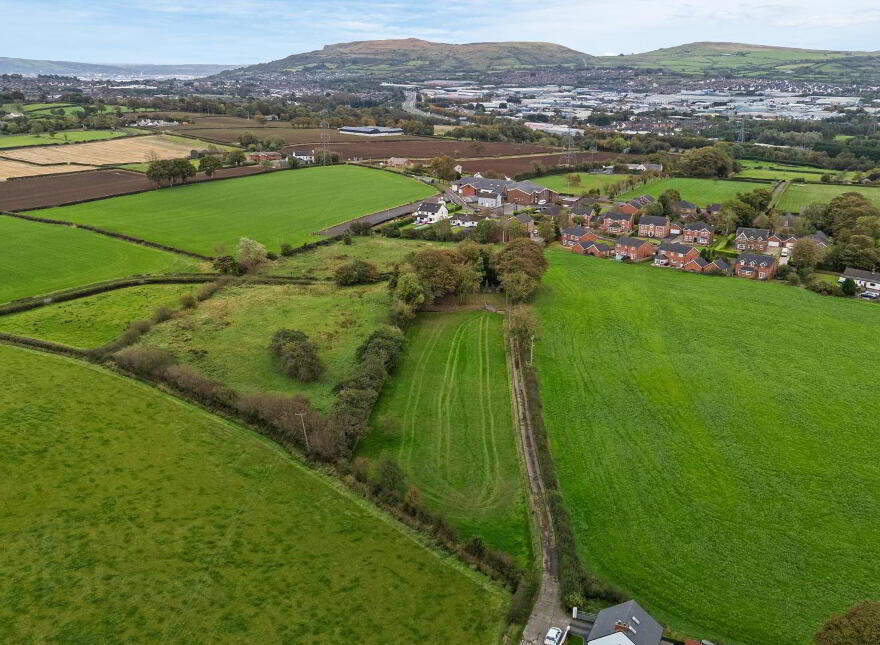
{"points": [[30, 67], [412, 57]]}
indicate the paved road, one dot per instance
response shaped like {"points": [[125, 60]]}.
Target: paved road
{"points": [[375, 218]]}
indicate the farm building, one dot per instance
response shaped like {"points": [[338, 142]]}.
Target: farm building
{"points": [[371, 131], [625, 624]]}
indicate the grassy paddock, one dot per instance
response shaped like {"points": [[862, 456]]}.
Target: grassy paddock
{"points": [[445, 416], [68, 136], [798, 195], [589, 181], [273, 208], [39, 258], [94, 321], [716, 452], [699, 191], [130, 517]]}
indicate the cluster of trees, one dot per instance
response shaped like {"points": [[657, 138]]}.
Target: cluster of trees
{"points": [[296, 355], [854, 223], [356, 272], [168, 172]]}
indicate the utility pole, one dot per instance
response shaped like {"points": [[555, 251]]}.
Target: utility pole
{"points": [[302, 418], [532, 353]]}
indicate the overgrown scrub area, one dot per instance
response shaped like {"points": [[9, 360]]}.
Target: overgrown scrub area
{"points": [[698, 464], [91, 511], [445, 418]]}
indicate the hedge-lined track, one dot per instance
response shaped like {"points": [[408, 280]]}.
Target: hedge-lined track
{"points": [[445, 416]]}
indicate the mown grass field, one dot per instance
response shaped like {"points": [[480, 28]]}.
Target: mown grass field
{"points": [[70, 136], [130, 517], [445, 417], [94, 321], [559, 183], [39, 258], [797, 196], [273, 208], [228, 336], [701, 192], [715, 440]]}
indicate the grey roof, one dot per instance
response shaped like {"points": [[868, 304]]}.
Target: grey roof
{"points": [[757, 258], [820, 237], [700, 260], [525, 219], [368, 129], [699, 226], [429, 207], [641, 628], [683, 204], [598, 245], [752, 233], [656, 220], [500, 185], [631, 241], [577, 231], [465, 218], [859, 274], [621, 217], [721, 264], [713, 208], [785, 236], [674, 247]]}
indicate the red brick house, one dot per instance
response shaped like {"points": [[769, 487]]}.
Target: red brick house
{"points": [[755, 266], [699, 233], [524, 193], [626, 209], [633, 249], [673, 254], [597, 249], [781, 241], [616, 222], [653, 226], [752, 239], [575, 234]]}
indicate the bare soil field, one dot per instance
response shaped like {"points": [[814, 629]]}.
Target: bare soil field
{"points": [[516, 165], [58, 190], [427, 148], [10, 169], [99, 153]]}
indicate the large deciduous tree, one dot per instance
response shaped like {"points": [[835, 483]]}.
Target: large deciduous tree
{"points": [[859, 626]]}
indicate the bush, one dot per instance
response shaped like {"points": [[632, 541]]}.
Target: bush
{"points": [[271, 255], [209, 289], [228, 265], [205, 390], [188, 301], [144, 360], [356, 272], [162, 314], [387, 343], [297, 355], [286, 249]]}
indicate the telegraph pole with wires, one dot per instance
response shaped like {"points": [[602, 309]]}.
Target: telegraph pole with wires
{"points": [[325, 143], [302, 418]]}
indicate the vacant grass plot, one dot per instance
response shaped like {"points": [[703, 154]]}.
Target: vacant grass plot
{"points": [[445, 417], [94, 321], [228, 336], [797, 195], [741, 480], [71, 136], [37, 259], [588, 181], [130, 517], [701, 192], [271, 208], [116, 151]]}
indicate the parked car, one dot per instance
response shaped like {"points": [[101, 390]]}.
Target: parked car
{"points": [[869, 295], [553, 637]]}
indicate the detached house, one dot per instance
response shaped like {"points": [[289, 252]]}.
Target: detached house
{"points": [[616, 222], [752, 239], [633, 249], [465, 221], [625, 624], [673, 254], [755, 266], [431, 212], [699, 233], [597, 249], [867, 280], [487, 198], [576, 234], [653, 226]]}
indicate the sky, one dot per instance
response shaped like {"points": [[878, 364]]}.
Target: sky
{"points": [[251, 31]]}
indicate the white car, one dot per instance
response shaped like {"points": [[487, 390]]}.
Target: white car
{"points": [[785, 253], [553, 637]]}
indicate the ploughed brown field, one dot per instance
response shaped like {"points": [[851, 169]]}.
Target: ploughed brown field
{"points": [[512, 166], [426, 149], [57, 190]]}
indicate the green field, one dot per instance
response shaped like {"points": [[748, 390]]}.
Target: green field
{"points": [[715, 441], [445, 417], [701, 192], [40, 258], [797, 195], [272, 208], [130, 517], [559, 184], [65, 136], [94, 321], [228, 336]]}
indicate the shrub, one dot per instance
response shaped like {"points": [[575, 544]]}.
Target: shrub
{"points": [[162, 314], [209, 289], [849, 287], [188, 301], [297, 355], [387, 343], [251, 254], [271, 255], [188, 379], [227, 264], [356, 272], [144, 360], [286, 249]]}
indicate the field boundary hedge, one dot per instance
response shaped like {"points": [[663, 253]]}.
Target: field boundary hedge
{"points": [[44, 345], [105, 232]]}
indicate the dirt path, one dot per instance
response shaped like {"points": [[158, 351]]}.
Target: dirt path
{"points": [[547, 611], [778, 192]]}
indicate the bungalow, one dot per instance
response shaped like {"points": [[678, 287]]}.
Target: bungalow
{"points": [[653, 226], [258, 157], [431, 212], [633, 249], [625, 624], [699, 233], [683, 208], [616, 222], [576, 234], [867, 280], [676, 255], [597, 249], [781, 240], [755, 266], [752, 239], [465, 221]]}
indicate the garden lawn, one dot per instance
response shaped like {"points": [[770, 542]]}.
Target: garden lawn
{"points": [[96, 320], [39, 258], [559, 183], [131, 517], [289, 206], [798, 195], [445, 417], [701, 192], [70, 136], [228, 336], [716, 441]]}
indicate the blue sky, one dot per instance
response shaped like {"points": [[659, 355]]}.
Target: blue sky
{"points": [[250, 31]]}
